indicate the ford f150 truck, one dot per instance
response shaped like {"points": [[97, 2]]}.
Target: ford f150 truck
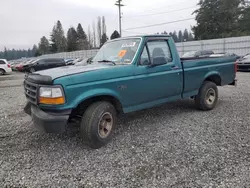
{"points": [[127, 75]]}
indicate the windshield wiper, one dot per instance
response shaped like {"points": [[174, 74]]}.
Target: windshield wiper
{"points": [[106, 61]]}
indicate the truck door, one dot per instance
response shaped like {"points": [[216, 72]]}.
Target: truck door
{"points": [[160, 83]]}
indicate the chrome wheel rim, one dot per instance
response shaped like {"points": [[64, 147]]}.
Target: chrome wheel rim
{"points": [[105, 125], [210, 96]]}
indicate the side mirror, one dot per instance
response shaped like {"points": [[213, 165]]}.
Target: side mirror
{"points": [[157, 61]]}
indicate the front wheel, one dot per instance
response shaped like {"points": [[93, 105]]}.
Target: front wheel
{"points": [[98, 124], [207, 97]]}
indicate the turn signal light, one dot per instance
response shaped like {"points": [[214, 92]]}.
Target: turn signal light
{"points": [[58, 100]]}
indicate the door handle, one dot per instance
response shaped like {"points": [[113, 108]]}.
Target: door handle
{"points": [[174, 67]]}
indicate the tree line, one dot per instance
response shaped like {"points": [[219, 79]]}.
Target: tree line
{"points": [[181, 36], [16, 54], [76, 38]]}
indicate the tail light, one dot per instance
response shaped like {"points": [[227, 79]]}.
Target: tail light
{"points": [[9, 65], [236, 67]]}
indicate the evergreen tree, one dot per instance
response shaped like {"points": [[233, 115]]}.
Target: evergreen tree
{"points": [[82, 41], [5, 53], [190, 37], [174, 35], [43, 46], [180, 36], [217, 18], [34, 50], [115, 35], [103, 39], [185, 35], [72, 40], [244, 22], [29, 53], [58, 40]]}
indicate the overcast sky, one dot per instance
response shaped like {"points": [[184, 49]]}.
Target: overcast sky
{"points": [[24, 22]]}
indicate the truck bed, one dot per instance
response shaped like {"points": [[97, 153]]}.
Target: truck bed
{"points": [[195, 70]]}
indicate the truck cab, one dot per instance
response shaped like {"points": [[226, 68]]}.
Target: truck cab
{"points": [[127, 75]]}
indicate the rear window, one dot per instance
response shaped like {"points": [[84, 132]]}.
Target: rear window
{"points": [[2, 62]]}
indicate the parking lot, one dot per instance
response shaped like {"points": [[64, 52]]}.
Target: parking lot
{"points": [[174, 145]]}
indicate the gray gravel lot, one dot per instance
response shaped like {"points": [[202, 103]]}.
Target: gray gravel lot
{"points": [[174, 145]]}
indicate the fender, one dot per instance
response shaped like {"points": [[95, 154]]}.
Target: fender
{"points": [[210, 74], [95, 93]]}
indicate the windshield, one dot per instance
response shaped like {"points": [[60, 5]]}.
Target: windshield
{"points": [[189, 54], [118, 51], [247, 57]]}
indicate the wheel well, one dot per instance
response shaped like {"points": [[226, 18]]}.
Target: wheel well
{"points": [[2, 69], [80, 109], [214, 78]]}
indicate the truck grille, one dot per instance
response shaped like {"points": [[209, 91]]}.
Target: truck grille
{"points": [[30, 90]]}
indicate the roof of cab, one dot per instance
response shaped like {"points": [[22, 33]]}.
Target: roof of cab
{"points": [[141, 36], [154, 35]]}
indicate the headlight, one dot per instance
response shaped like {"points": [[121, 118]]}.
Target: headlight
{"points": [[51, 95]]}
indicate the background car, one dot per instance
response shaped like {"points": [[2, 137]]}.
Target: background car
{"points": [[13, 65], [84, 61], [45, 63], [69, 61], [4, 67], [201, 53], [244, 63], [77, 60]]}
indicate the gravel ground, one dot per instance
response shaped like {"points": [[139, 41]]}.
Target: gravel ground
{"points": [[174, 145]]}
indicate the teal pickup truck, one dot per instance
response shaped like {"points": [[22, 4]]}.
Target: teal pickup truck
{"points": [[127, 75]]}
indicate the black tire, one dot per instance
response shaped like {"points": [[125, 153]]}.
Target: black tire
{"points": [[205, 100], [2, 72], [90, 130]]}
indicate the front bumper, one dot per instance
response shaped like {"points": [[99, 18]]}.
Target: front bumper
{"points": [[49, 123]]}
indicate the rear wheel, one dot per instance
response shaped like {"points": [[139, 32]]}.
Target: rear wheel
{"points": [[98, 124], [207, 97], [2, 72]]}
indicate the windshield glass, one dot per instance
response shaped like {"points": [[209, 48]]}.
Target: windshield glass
{"points": [[247, 57], [189, 54], [118, 51]]}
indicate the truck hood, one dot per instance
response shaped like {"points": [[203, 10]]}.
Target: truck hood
{"points": [[69, 70]]}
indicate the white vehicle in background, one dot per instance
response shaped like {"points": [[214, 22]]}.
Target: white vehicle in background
{"points": [[4, 67]]}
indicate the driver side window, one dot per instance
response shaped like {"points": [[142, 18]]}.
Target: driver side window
{"points": [[144, 60]]}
